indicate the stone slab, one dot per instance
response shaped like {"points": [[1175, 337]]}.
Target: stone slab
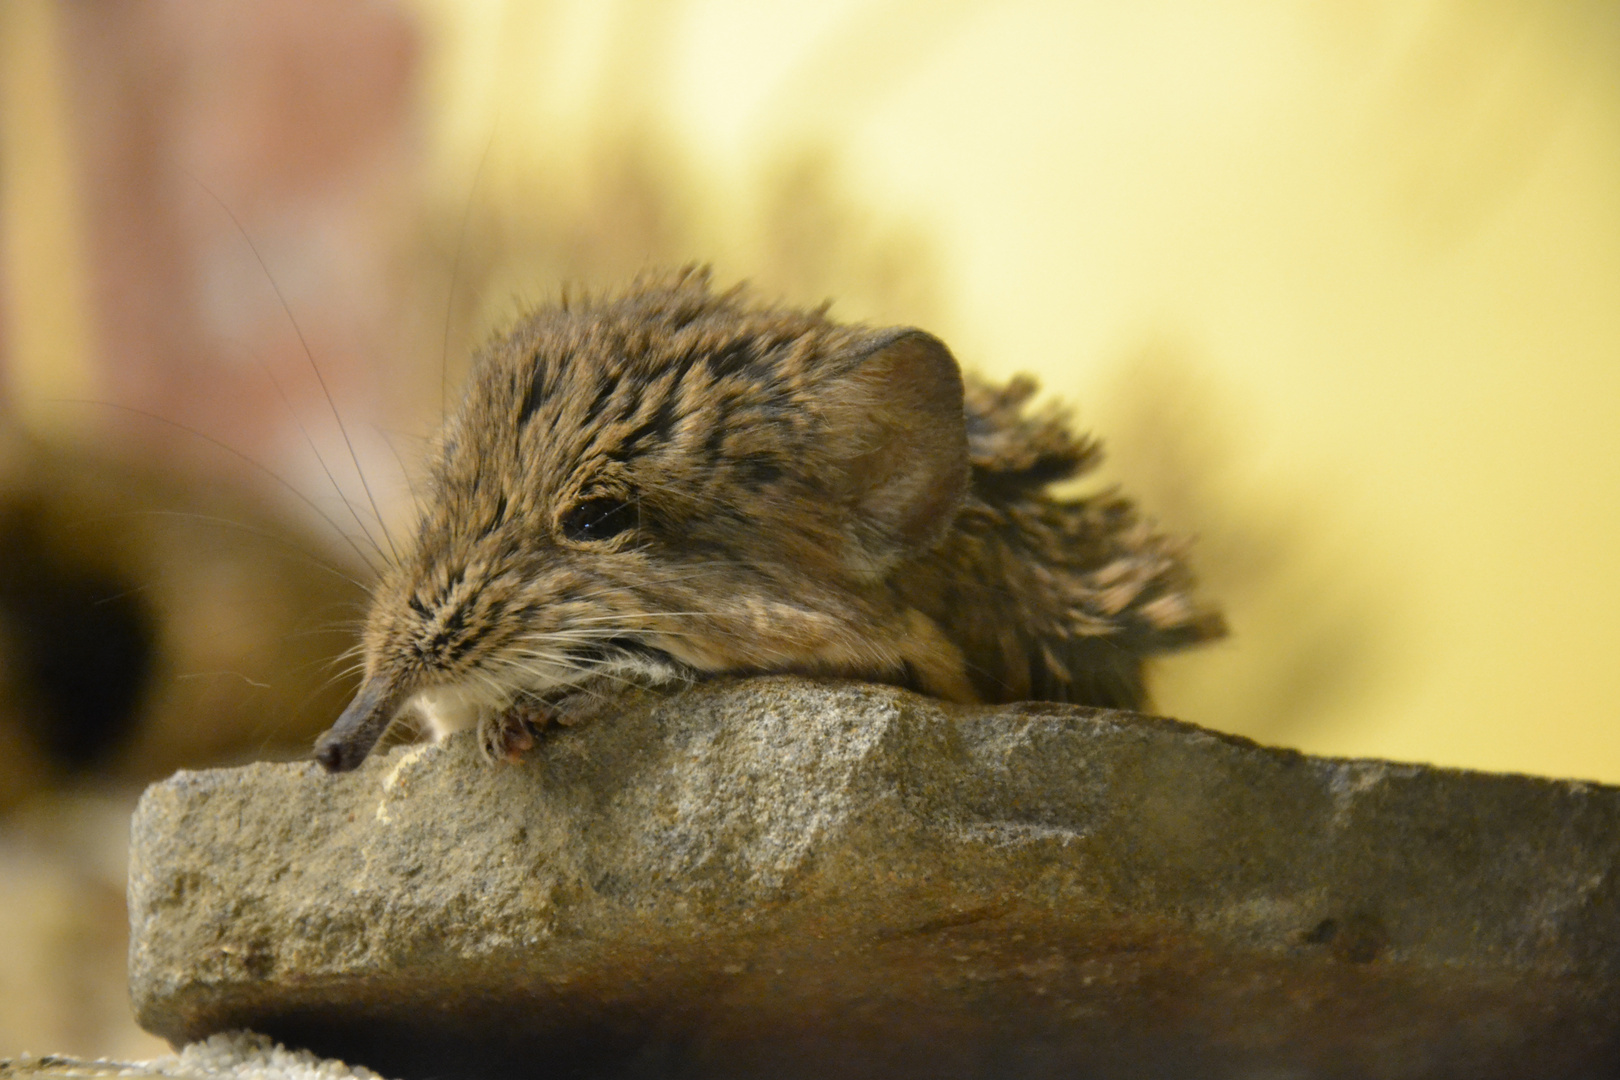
{"points": [[783, 878], [235, 1055]]}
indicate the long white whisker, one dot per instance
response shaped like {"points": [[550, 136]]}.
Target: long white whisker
{"points": [[263, 534], [310, 356], [265, 469]]}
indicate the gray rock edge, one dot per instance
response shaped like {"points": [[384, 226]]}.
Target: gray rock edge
{"points": [[783, 863]]}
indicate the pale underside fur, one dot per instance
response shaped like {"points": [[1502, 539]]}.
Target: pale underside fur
{"points": [[674, 483]]}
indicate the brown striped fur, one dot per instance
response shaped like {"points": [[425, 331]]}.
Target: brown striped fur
{"points": [[772, 492]]}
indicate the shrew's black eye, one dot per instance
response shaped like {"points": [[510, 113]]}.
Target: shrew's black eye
{"points": [[598, 519]]}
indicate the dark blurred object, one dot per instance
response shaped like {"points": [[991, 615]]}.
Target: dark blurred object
{"points": [[149, 623], [80, 639]]}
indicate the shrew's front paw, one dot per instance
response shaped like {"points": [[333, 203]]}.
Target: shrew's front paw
{"points": [[510, 733]]}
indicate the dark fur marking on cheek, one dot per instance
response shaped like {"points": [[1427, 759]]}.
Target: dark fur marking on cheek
{"points": [[452, 641], [416, 605], [437, 648]]}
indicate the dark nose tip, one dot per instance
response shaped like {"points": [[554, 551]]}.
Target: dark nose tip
{"points": [[346, 743], [334, 756]]}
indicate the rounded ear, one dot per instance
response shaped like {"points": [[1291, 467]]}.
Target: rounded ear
{"points": [[900, 431]]}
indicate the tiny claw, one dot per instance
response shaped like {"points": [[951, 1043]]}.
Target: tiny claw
{"points": [[519, 741], [509, 734]]}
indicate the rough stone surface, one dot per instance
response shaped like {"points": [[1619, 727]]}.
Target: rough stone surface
{"points": [[234, 1055], [783, 878]]}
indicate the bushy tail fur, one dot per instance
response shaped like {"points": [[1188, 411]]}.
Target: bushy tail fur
{"points": [[1049, 599]]}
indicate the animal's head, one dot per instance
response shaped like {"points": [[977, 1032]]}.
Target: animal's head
{"points": [[664, 482]]}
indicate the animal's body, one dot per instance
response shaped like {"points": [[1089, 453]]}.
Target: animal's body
{"points": [[677, 482]]}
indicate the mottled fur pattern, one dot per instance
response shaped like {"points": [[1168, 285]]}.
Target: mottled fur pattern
{"points": [[677, 482]]}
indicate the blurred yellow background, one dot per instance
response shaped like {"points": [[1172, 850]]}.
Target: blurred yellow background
{"points": [[1336, 281]]}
